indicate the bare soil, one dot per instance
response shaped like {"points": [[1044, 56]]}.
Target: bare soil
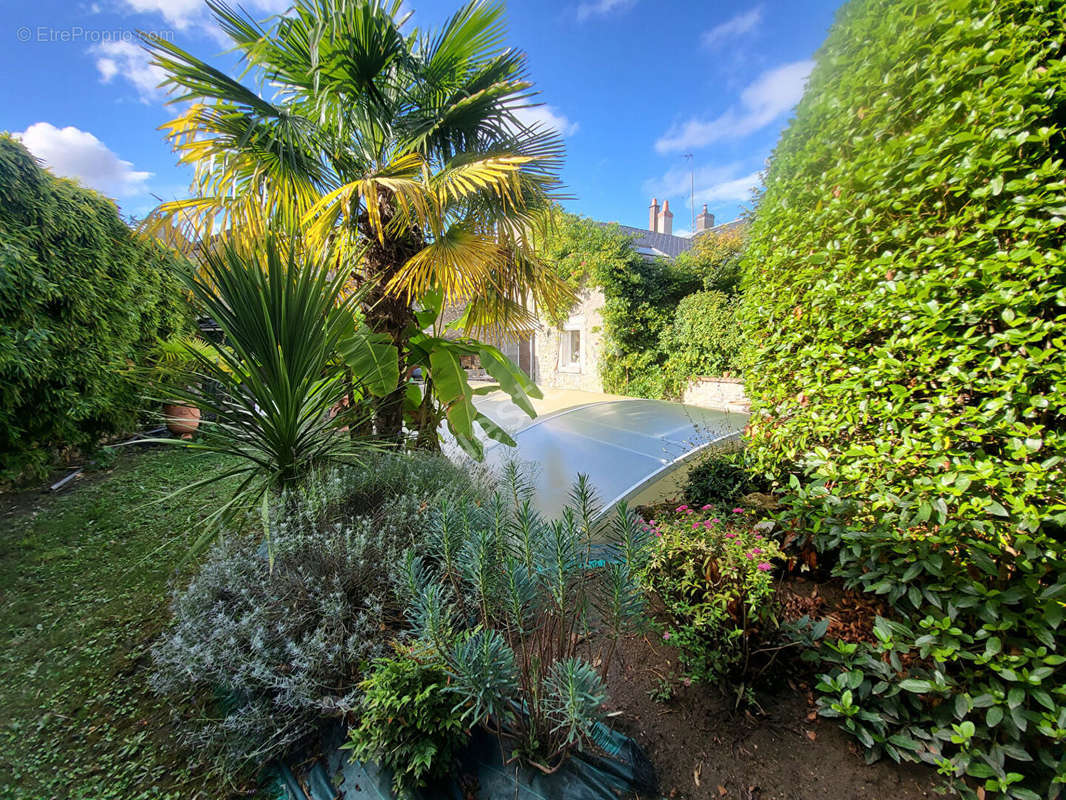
{"points": [[701, 748]]}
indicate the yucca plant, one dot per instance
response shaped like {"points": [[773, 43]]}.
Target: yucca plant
{"points": [[399, 150], [522, 611], [278, 397]]}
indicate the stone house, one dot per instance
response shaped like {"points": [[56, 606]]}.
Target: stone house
{"points": [[567, 356]]}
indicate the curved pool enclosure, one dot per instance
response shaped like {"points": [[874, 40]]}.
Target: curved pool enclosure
{"points": [[634, 450]]}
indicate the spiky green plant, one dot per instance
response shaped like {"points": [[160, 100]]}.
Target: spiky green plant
{"points": [[275, 392], [521, 611]]}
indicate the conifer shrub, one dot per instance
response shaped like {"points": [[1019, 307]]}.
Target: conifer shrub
{"points": [[82, 298], [905, 288]]}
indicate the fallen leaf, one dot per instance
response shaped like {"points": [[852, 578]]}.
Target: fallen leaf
{"points": [[696, 773], [812, 735], [721, 790]]}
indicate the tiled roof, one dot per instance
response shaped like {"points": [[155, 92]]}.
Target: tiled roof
{"points": [[659, 243]]}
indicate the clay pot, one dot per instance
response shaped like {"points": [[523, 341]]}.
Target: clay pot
{"points": [[182, 420]]}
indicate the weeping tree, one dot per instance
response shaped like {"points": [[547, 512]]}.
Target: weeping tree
{"points": [[397, 152]]}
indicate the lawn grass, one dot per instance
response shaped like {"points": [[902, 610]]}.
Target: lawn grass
{"points": [[85, 580]]}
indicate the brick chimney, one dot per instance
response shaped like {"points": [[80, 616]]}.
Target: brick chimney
{"points": [[653, 215], [666, 219], [704, 221]]}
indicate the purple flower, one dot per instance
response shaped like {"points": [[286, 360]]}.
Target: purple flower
{"points": [[765, 567], [666, 635]]}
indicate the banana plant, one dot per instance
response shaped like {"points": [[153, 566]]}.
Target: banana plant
{"points": [[446, 395]]}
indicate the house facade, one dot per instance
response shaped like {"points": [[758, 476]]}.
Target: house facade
{"points": [[567, 356]]}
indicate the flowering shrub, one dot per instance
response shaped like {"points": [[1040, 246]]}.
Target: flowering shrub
{"points": [[714, 573]]}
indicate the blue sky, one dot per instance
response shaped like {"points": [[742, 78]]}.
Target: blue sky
{"points": [[632, 84]]}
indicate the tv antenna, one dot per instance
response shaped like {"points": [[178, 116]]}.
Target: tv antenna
{"points": [[691, 193]]}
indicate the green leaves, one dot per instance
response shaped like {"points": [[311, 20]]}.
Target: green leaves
{"points": [[374, 360], [902, 305]]}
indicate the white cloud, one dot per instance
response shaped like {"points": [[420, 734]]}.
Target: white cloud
{"points": [[735, 190], [602, 8], [714, 184], [179, 13], [736, 26], [771, 95], [133, 63], [548, 116], [75, 153], [185, 13]]}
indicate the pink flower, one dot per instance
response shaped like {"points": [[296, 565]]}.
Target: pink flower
{"points": [[695, 525], [715, 519], [651, 522], [738, 510], [704, 508], [707, 523], [756, 550], [690, 511], [750, 555], [758, 536], [731, 535], [679, 509], [666, 635], [765, 567]]}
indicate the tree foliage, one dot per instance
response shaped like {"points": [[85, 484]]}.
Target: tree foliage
{"points": [[704, 338], [904, 294], [81, 298], [398, 150]]}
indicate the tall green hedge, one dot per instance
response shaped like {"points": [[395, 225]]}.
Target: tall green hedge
{"points": [[81, 299], [905, 294], [703, 339]]}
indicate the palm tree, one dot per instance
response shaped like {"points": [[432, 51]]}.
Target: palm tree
{"points": [[400, 155]]}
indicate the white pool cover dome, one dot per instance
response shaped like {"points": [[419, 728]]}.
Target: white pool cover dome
{"points": [[633, 450]]}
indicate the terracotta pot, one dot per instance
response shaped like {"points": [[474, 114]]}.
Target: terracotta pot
{"points": [[182, 420]]}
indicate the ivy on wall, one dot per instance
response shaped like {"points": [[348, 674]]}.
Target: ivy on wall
{"points": [[652, 310]]}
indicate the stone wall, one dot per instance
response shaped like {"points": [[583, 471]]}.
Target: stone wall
{"points": [[585, 317], [721, 394]]}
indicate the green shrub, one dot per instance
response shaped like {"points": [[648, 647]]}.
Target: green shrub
{"points": [[702, 339], [287, 644], [904, 293], [81, 298], [713, 572], [640, 298], [722, 477], [504, 599], [408, 721]]}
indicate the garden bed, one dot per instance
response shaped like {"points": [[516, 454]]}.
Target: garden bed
{"points": [[702, 748]]}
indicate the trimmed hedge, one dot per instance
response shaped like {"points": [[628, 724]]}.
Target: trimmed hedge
{"points": [[703, 339], [81, 299], [905, 288]]}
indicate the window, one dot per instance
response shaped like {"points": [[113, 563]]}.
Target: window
{"points": [[570, 350]]}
